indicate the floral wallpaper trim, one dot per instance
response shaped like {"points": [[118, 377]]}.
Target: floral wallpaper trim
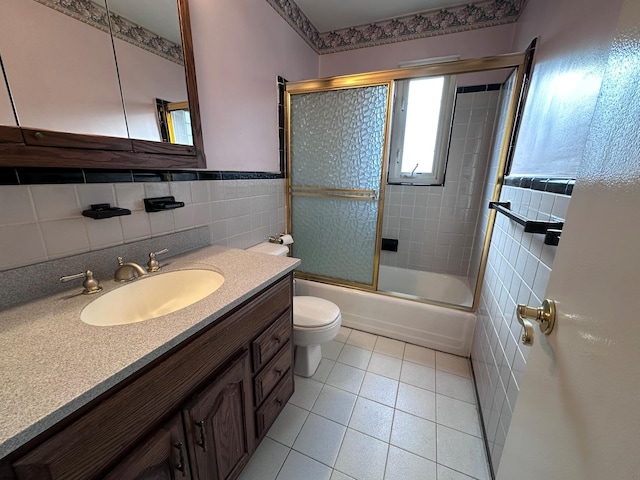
{"points": [[487, 13], [95, 15], [290, 11]]}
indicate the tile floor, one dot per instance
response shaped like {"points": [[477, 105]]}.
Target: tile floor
{"points": [[376, 409]]}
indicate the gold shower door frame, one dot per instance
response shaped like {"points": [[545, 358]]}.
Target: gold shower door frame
{"points": [[327, 192], [517, 61]]}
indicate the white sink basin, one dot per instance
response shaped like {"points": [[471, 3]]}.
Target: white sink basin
{"points": [[151, 297]]}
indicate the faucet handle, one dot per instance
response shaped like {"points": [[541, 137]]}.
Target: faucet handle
{"points": [[90, 284], [152, 264]]}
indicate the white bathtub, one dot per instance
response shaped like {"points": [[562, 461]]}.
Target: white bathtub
{"points": [[428, 285], [440, 328]]}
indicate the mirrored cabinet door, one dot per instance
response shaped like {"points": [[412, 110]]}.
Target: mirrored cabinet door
{"points": [[62, 71], [148, 47], [7, 116]]}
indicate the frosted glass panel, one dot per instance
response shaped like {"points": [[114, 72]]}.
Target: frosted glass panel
{"points": [[337, 142], [337, 138], [335, 237]]}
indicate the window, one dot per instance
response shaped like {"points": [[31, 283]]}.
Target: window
{"points": [[420, 130], [174, 121]]}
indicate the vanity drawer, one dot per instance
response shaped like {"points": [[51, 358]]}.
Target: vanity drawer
{"points": [[273, 405], [270, 375], [272, 339]]}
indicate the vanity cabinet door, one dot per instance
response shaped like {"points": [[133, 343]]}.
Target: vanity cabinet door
{"points": [[219, 424], [162, 456]]}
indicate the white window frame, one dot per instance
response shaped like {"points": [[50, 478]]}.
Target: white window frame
{"points": [[398, 123]]}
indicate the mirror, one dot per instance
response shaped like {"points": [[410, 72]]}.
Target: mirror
{"points": [[75, 88], [148, 47], [89, 108], [7, 116]]}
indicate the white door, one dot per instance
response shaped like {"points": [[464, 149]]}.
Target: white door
{"points": [[577, 415]]}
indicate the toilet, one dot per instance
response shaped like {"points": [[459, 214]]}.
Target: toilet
{"points": [[315, 321]]}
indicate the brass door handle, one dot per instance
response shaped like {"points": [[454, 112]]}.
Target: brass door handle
{"points": [[545, 316]]}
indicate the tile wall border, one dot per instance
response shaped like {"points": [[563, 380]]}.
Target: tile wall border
{"points": [[563, 186], [43, 176]]}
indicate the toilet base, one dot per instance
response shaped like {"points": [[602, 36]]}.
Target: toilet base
{"points": [[307, 359]]}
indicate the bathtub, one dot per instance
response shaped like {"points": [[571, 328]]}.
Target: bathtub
{"points": [[432, 326], [428, 285]]}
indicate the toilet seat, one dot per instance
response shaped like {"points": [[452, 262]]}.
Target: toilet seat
{"points": [[313, 313]]}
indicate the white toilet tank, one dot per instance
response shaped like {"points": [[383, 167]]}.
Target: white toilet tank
{"points": [[270, 249]]}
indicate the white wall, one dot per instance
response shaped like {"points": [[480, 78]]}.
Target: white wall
{"points": [[574, 41], [241, 46]]}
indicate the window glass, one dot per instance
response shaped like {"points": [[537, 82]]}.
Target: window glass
{"points": [[420, 130]]}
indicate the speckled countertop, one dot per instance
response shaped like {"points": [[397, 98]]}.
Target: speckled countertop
{"points": [[52, 363]]}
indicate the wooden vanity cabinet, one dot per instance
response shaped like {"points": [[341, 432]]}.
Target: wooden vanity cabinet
{"points": [[190, 415]]}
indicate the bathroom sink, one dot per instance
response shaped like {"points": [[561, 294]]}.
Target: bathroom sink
{"points": [[151, 297]]}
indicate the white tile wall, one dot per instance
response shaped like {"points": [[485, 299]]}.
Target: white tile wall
{"points": [[436, 225], [490, 180], [43, 222], [518, 270]]}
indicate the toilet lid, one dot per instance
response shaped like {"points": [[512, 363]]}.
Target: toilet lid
{"points": [[313, 312]]}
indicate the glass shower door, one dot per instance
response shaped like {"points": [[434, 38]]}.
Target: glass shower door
{"points": [[336, 154]]}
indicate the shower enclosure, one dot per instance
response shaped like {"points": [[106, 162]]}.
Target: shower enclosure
{"points": [[337, 152], [346, 194]]}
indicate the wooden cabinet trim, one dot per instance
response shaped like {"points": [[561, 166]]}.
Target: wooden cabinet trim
{"points": [[48, 138], [11, 135]]}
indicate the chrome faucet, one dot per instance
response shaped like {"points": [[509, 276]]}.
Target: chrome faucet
{"points": [[128, 271]]}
